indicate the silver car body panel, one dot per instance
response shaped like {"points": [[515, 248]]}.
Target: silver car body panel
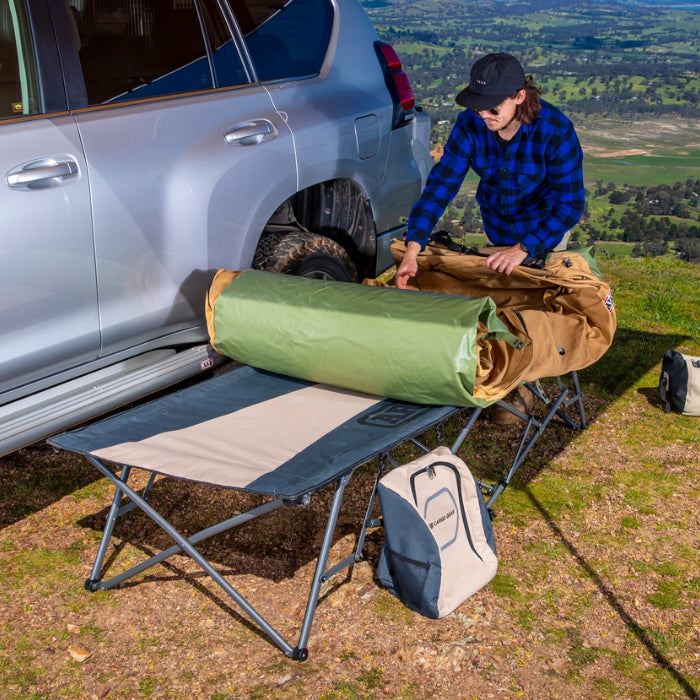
{"points": [[48, 306], [170, 204], [117, 216]]}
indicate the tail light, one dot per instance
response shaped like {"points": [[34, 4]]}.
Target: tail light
{"points": [[397, 82]]}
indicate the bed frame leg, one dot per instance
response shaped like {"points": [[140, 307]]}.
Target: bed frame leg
{"points": [[93, 583], [476, 412], [369, 521], [320, 572]]}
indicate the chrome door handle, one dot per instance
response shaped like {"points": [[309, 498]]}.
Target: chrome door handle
{"points": [[42, 173], [250, 133]]}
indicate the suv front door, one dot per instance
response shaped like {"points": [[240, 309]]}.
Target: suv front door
{"points": [[48, 303]]}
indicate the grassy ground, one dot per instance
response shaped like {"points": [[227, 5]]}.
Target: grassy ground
{"points": [[597, 594]]}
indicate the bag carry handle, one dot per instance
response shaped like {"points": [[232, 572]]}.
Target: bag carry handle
{"points": [[430, 471]]}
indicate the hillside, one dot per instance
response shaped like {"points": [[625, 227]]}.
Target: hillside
{"points": [[629, 76], [603, 58]]}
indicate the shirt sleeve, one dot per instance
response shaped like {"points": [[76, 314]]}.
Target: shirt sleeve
{"points": [[442, 186], [563, 204]]}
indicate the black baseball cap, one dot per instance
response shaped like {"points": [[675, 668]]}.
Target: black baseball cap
{"points": [[493, 78]]}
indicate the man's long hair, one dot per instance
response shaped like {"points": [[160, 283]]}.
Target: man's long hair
{"points": [[529, 110]]}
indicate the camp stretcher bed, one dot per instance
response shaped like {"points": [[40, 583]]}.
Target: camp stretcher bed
{"points": [[272, 435], [257, 432], [315, 408]]}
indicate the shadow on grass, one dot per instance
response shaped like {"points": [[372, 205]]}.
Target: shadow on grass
{"points": [[632, 625], [632, 354], [34, 477], [273, 546]]}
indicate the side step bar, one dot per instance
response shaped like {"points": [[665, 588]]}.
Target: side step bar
{"points": [[58, 408]]}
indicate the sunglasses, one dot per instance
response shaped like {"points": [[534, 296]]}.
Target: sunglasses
{"points": [[494, 110]]}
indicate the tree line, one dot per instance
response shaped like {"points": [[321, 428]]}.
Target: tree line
{"points": [[657, 219]]}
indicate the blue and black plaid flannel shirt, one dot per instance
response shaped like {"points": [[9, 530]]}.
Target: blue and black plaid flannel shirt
{"points": [[529, 193]]}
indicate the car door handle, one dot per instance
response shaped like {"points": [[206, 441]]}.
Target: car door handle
{"points": [[250, 133], [42, 173]]}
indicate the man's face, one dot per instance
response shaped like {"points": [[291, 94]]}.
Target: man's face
{"points": [[500, 116]]}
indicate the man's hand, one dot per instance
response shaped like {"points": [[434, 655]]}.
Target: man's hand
{"points": [[409, 266], [505, 260]]}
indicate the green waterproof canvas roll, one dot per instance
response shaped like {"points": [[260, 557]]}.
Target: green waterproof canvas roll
{"points": [[400, 344]]}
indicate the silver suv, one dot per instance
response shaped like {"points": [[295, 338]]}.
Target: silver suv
{"points": [[148, 143]]}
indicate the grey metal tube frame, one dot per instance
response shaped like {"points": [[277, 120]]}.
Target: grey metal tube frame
{"points": [[534, 427], [532, 431], [119, 507]]}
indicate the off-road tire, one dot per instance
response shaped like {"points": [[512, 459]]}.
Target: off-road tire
{"points": [[305, 254]]}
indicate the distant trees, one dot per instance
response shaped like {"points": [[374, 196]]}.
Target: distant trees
{"points": [[654, 218], [651, 248], [688, 249], [592, 62], [618, 197]]}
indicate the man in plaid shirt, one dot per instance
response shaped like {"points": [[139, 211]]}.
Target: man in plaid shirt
{"points": [[528, 157]]}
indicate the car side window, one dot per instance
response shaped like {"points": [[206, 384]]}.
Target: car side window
{"points": [[226, 58], [285, 38], [136, 49], [19, 86]]}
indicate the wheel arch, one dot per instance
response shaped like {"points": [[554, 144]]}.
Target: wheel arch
{"points": [[338, 209]]}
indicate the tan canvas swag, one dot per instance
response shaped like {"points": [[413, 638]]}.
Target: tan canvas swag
{"points": [[564, 309], [552, 321]]}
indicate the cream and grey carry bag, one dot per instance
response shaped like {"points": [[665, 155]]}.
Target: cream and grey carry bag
{"points": [[679, 383], [438, 547]]}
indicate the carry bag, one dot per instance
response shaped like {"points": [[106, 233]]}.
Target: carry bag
{"points": [[438, 547], [679, 383]]}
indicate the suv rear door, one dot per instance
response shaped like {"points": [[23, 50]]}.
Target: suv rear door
{"points": [[48, 300], [185, 158]]}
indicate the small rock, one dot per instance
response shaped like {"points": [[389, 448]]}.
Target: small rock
{"points": [[79, 654]]}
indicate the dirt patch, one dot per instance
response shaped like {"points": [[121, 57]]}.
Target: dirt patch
{"points": [[605, 153], [574, 611]]}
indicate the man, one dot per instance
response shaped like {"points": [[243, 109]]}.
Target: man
{"points": [[528, 157]]}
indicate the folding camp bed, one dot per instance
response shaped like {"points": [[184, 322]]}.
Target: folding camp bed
{"points": [[267, 434], [314, 411], [257, 432]]}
